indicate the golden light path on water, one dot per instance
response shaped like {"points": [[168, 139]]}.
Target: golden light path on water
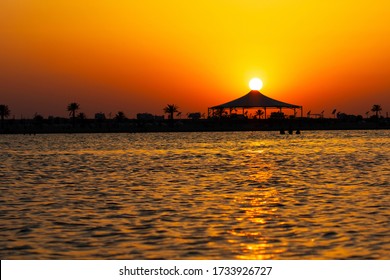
{"points": [[235, 195]]}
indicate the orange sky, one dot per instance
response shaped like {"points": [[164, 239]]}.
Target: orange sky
{"points": [[137, 56]]}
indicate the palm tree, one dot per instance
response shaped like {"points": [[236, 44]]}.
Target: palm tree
{"points": [[219, 112], [258, 114], [72, 108], [171, 109], [82, 116], [4, 113], [334, 113], [376, 109], [120, 116]]}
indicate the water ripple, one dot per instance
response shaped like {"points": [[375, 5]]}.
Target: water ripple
{"points": [[246, 195]]}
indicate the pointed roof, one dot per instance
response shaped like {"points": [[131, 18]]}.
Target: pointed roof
{"points": [[254, 99]]}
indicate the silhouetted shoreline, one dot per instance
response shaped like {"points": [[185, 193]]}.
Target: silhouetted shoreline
{"points": [[62, 125]]}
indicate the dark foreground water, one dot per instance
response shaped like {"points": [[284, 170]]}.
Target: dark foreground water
{"points": [[243, 195]]}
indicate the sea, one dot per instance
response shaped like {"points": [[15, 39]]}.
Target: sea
{"points": [[208, 195]]}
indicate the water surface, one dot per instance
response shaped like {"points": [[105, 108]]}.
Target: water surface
{"points": [[233, 195]]}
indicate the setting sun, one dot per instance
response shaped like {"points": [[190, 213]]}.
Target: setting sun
{"points": [[138, 56], [255, 84]]}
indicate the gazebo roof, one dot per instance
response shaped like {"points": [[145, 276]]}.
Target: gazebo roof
{"points": [[255, 99]]}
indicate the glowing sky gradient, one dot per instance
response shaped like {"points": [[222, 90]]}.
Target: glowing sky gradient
{"points": [[137, 56]]}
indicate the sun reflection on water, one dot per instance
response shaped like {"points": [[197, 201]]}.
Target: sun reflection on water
{"points": [[258, 211], [195, 196]]}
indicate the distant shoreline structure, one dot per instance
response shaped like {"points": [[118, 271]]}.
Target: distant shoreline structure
{"points": [[63, 125]]}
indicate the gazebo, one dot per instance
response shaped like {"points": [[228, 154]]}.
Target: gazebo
{"points": [[255, 99]]}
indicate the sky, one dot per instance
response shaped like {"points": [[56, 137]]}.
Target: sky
{"points": [[138, 56]]}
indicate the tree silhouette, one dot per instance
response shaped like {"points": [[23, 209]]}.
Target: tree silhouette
{"points": [[171, 109], [219, 112], [120, 116], [72, 109], [334, 113], [4, 113], [38, 118], [376, 109], [258, 114], [82, 116]]}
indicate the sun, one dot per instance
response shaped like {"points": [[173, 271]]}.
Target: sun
{"points": [[255, 84]]}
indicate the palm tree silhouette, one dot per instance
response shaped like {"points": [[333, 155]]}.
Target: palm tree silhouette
{"points": [[258, 114], [376, 109], [220, 112], [4, 113], [120, 116], [171, 109], [82, 116], [72, 109], [334, 113]]}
